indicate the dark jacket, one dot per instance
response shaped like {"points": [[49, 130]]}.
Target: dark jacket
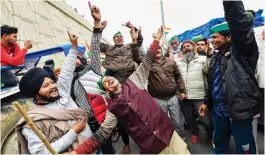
{"points": [[237, 66], [120, 59], [147, 124], [165, 80]]}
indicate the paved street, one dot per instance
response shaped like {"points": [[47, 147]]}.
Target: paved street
{"points": [[203, 147]]}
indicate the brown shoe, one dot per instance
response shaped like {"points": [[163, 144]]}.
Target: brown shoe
{"points": [[126, 149]]}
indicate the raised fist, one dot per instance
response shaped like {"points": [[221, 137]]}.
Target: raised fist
{"points": [[158, 34], [27, 44], [73, 38]]}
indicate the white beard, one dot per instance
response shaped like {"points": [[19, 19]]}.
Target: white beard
{"points": [[189, 56]]}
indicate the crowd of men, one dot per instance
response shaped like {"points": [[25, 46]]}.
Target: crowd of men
{"points": [[147, 96]]}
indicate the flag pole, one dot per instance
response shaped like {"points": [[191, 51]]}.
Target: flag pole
{"points": [[163, 23]]}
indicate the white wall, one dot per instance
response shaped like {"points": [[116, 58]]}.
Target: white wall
{"points": [[45, 23]]}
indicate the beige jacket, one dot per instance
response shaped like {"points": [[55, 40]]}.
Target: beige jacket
{"points": [[52, 123], [194, 76]]}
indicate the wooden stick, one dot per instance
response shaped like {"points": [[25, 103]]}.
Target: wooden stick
{"points": [[34, 128]]}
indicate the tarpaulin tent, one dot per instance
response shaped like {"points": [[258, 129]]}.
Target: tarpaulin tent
{"points": [[205, 29]]}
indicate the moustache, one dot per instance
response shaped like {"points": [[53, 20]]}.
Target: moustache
{"points": [[187, 50], [53, 90]]}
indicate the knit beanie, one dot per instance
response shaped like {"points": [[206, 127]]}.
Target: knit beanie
{"points": [[31, 82], [189, 42]]}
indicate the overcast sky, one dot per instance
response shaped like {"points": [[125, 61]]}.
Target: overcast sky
{"points": [[180, 15]]}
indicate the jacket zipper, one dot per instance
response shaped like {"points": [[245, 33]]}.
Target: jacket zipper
{"points": [[188, 64]]}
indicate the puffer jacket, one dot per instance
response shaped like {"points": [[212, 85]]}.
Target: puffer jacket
{"points": [[165, 80], [98, 105], [194, 76], [237, 66]]}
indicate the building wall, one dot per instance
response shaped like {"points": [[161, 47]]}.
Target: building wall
{"points": [[44, 22]]}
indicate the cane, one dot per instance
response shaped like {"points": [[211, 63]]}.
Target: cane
{"points": [[34, 128]]}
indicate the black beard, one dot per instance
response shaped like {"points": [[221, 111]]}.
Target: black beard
{"points": [[10, 44], [202, 53], [80, 68], [49, 99]]}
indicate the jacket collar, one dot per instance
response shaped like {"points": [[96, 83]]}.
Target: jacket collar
{"points": [[116, 46], [228, 49]]}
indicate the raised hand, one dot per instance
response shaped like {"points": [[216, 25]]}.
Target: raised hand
{"points": [[128, 24], [73, 39], [95, 12], [169, 51], [158, 34], [134, 35], [27, 44]]}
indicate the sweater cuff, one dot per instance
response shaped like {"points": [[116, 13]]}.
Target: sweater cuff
{"points": [[154, 47], [88, 146], [97, 30]]}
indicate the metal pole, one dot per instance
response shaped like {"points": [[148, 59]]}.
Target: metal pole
{"points": [[163, 22]]}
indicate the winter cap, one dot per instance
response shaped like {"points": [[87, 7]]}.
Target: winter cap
{"points": [[117, 34], [219, 27], [197, 38], [31, 82], [173, 39], [251, 16], [189, 42]]}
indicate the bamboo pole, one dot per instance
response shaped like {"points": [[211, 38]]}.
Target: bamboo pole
{"points": [[34, 128]]}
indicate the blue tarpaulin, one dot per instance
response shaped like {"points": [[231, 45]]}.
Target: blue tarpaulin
{"points": [[205, 29], [67, 47]]}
